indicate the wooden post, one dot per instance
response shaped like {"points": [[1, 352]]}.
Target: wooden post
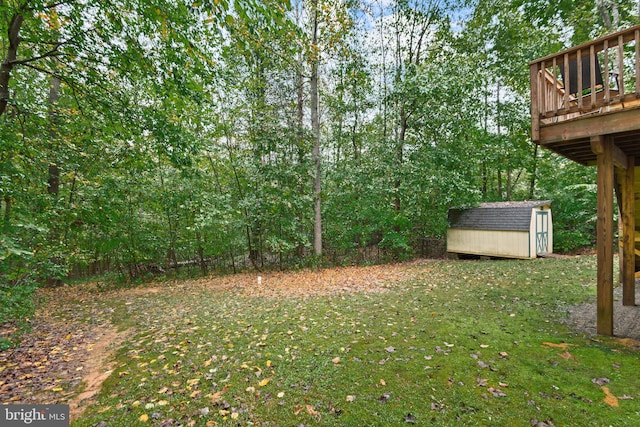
{"points": [[536, 80], [628, 234], [603, 147]]}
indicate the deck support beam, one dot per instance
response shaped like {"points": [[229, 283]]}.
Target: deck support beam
{"points": [[628, 234], [602, 146]]}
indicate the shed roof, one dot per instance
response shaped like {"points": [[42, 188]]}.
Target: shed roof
{"points": [[507, 216]]}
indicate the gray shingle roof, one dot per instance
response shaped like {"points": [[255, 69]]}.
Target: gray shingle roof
{"points": [[508, 216]]}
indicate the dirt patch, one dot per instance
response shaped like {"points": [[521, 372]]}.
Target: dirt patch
{"points": [[626, 319], [96, 368], [67, 350], [143, 291], [306, 283]]}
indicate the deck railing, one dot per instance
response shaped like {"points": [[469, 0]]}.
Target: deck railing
{"points": [[602, 76]]}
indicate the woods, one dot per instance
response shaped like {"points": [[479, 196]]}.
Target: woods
{"points": [[138, 136]]}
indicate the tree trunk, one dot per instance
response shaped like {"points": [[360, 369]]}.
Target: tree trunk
{"points": [[397, 203], [300, 137], [315, 126], [54, 169], [534, 170], [7, 64]]}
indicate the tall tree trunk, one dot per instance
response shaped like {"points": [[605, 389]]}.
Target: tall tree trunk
{"points": [[53, 181], [534, 171], [485, 178], [397, 203], [54, 168], [609, 13], [300, 140], [315, 126], [12, 53]]}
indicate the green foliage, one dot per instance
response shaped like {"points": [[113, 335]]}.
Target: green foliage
{"points": [[181, 131], [573, 205], [17, 307]]}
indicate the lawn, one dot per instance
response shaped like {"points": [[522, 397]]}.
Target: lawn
{"points": [[424, 343]]}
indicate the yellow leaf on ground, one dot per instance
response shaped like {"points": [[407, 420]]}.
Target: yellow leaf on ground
{"points": [[264, 382], [144, 418], [562, 345], [382, 382], [215, 397], [609, 398], [311, 410]]}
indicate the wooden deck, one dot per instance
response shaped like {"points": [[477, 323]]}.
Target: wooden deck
{"points": [[585, 105], [565, 122]]}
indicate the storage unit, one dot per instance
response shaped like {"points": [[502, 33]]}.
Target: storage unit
{"points": [[502, 229]]}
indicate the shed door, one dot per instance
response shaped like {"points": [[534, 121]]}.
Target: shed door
{"points": [[542, 232]]}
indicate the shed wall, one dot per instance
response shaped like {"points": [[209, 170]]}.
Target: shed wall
{"points": [[509, 244]]}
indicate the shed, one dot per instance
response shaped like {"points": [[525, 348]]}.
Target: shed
{"points": [[502, 229]]}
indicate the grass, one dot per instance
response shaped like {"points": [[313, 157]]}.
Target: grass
{"points": [[456, 343]]}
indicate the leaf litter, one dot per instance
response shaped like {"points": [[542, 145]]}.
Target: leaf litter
{"points": [[228, 356]]}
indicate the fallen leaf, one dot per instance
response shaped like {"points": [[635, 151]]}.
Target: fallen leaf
{"points": [[311, 411], [336, 360], [601, 381], [382, 382], [496, 392], [563, 346], [384, 398], [264, 382], [215, 397], [350, 398], [144, 418], [390, 349], [609, 398], [567, 356]]}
